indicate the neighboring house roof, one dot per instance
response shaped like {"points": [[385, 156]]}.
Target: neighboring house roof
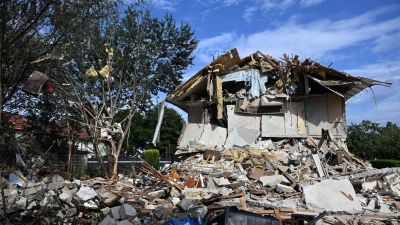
{"points": [[307, 71]]}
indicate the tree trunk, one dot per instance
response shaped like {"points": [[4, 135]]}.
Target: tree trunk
{"points": [[111, 161], [100, 159], [69, 170]]}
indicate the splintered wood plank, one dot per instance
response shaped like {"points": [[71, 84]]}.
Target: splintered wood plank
{"points": [[243, 203], [301, 125]]}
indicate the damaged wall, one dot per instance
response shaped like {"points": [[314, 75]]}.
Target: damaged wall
{"points": [[264, 97]]}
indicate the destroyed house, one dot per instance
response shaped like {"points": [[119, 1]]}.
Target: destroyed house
{"points": [[237, 101]]}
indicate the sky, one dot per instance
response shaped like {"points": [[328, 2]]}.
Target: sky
{"points": [[360, 37]]}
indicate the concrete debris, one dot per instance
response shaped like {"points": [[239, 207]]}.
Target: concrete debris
{"points": [[256, 153], [234, 183]]}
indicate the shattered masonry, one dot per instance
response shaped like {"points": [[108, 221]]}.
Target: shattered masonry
{"points": [[265, 144]]}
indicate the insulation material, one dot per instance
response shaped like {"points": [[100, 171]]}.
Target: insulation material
{"points": [[91, 73], [105, 71]]}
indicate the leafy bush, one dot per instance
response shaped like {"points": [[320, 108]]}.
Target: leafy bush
{"points": [[78, 172], [152, 157], [385, 163]]}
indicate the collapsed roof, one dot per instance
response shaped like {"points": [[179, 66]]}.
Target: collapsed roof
{"points": [[261, 75]]}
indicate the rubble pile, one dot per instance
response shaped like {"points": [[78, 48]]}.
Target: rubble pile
{"points": [[287, 181], [251, 153]]}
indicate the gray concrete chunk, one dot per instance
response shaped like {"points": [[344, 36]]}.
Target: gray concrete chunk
{"points": [[124, 222], [327, 195], [283, 188], [184, 204], [85, 193], [126, 211], [108, 221], [115, 212]]}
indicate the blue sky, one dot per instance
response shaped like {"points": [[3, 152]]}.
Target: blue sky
{"points": [[360, 37]]}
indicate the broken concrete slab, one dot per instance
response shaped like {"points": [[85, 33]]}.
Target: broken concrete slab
{"points": [[241, 137], [85, 193], [327, 195], [211, 135], [108, 198], [273, 179]]}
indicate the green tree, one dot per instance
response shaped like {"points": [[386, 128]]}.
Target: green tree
{"points": [[121, 64], [31, 35], [143, 127], [368, 140]]}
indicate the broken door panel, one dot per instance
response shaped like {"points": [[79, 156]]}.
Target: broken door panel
{"points": [[301, 123], [335, 108]]}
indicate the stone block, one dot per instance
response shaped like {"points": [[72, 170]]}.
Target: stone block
{"points": [[115, 212], [124, 222], [159, 212], [126, 211], [56, 185], [184, 204], [108, 221]]}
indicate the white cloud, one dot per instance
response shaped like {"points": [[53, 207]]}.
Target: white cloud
{"points": [[386, 109], [387, 42], [383, 71], [165, 4], [308, 3], [215, 45], [248, 13], [387, 100], [319, 39], [231, 2], [315, 39]]}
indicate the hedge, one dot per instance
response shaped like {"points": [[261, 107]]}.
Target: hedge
{"points": [[152, 157], [384, 163]]}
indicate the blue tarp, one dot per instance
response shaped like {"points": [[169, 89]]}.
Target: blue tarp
{"points": [[252, 77]]}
